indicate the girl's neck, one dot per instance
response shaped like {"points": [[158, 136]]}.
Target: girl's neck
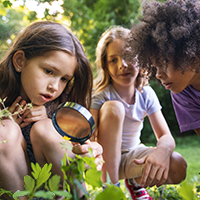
{"points": [[127, 93]]}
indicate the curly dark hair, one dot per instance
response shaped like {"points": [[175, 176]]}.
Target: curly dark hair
{"points": [[168, 32]]}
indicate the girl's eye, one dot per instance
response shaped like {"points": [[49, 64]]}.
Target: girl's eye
{"points": [[114, 60], [47, 71], [64, 80]]}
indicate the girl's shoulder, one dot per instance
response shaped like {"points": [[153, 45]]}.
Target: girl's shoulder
{"points": [[147, 94], [147, 90], [104, 94]]}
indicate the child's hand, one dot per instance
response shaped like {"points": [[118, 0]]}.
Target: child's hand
{"points": [[16, 106], [156, 168], [32, 115], [97, 151]]}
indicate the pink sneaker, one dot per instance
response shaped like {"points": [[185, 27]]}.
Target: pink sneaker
{"points": [[137, 193]]}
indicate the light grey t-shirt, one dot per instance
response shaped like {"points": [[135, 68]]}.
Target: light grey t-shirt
{"points": [[146, 103]]}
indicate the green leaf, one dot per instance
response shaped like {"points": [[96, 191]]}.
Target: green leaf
{"points": [[90, 161], [81, 165], [44, 175], [7, 4], [65, 168], [93, 178], [186, 191], [75, 196], [80, 186], [63, 193], [54, 183], [112, 192], [36, 170], [45, 195], [21, 193], [2, 191], [29, 183], [108, 179]]}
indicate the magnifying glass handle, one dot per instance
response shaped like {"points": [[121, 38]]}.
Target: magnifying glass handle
{"points": [[82, 143]]}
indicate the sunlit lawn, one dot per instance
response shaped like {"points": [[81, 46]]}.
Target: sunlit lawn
{"points": [[189, 148]]}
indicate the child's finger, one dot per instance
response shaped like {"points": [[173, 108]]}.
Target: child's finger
{"points": [[19, 108], [139, 161], [14, 105]]}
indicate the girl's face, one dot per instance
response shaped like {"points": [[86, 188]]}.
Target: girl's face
{"points": [[175, 80], [122, 73], [44, 78]]}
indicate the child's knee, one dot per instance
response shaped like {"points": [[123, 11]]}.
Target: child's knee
{"points": [[179, 168], [10, 133], [112, 109], [40, 129], [43, 132]]}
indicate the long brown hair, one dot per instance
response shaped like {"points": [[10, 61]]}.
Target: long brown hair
{"points": [[35, 40]]}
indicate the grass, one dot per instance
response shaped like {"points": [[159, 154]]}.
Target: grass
{"points": [[189, 148]]}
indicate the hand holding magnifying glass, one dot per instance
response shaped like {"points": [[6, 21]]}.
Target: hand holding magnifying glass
{"points": [[74, 121]]}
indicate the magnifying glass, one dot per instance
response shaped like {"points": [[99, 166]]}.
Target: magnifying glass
{"points": [[74, 121]]}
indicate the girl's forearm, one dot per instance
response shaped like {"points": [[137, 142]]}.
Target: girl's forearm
{"points": [[167, 143]]}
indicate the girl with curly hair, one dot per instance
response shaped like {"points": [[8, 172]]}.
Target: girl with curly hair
{"points": [[46, 66], [119, 104], [168, 40]]}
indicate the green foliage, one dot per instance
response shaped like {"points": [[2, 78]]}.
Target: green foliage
{"points": [[41, 176], [92, 18], [3, 192], [187, 191], [111, 192], [165, 192], [77, 172], [11, 22], [7, 4]]}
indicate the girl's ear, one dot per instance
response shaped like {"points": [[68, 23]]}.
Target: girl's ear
{"points": [[18, 60]]}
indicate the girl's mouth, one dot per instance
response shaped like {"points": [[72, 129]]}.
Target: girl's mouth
{"points": [[46, 97], [167, 86]]}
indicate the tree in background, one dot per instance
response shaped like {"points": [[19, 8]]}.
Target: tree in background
{"points": [[11, 22], [92, 17]]}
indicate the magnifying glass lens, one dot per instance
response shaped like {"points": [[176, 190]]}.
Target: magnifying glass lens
{"points": [[72, 122]]}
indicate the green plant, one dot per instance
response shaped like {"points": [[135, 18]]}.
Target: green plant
{"points": [[76, 171]]}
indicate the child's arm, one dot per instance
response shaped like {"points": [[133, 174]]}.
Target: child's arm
{"points": [[157, 163], [197, 131], [95, 115]]}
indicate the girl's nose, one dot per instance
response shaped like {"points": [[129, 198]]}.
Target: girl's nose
{"points": [[53, 86], [123, 64], [159, 73]]}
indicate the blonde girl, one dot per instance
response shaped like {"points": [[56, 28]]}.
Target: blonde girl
{"points": [[119, 104]]}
